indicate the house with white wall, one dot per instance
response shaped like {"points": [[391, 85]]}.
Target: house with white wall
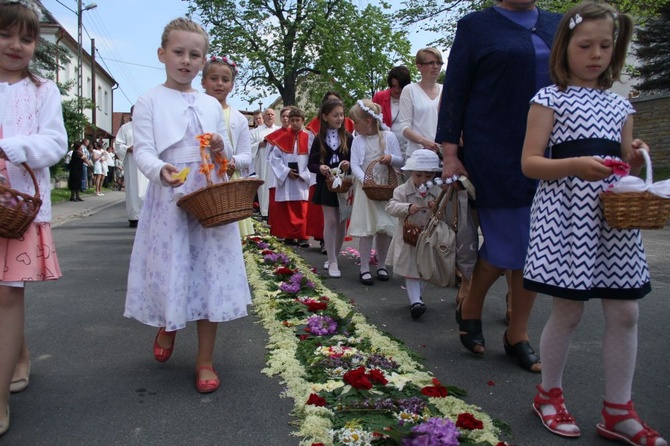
{"points": [[97, 84]]}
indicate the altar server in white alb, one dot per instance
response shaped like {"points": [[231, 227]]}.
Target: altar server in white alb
{"points": [[259, 152], [135, 182]]}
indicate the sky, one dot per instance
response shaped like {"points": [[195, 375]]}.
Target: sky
{"points": [[127, 34]]}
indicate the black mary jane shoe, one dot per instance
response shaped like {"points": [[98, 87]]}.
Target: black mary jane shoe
{"points": [[383, 275], [523, 353], [470, 332], [417, 309], [366, 278]]}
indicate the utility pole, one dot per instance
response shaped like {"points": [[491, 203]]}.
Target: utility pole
{"points": [[94, 96], [80, 68], [80, 87]]}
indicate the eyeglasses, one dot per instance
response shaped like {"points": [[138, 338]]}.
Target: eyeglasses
{"points": [[433, 63]]}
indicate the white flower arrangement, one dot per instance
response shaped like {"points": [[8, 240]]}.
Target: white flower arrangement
{"points": [[315, 424]]}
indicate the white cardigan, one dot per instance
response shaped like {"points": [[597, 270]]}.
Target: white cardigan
{"points": [[240, 143], [160, 120], [34, 133]]}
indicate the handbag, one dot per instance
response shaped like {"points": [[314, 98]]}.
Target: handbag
{"points": [[436, 246], [467, 235]]}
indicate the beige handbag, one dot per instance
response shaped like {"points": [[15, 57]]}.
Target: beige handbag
{"points": [[436, 246]]}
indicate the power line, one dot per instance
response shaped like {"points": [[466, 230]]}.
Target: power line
{"points": [[102, 30], [136, 64]]}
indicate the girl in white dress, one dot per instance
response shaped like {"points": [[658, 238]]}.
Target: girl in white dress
{"points": [[180, 271], [369, 219], [218, 80]]}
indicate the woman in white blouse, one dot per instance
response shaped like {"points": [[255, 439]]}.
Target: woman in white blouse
{"points": [[419, 103]]}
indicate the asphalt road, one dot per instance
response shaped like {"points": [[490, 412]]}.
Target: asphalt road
{"points": [[94, 380]]}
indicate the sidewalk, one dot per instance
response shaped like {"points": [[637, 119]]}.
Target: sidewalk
{"points": [[70, 210]]}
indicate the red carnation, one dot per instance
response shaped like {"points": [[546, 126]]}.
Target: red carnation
{"points": [[357, 379], [283, 271], [468, 421], [316, 400], [436, 391], [377, 376], [315, 306]]}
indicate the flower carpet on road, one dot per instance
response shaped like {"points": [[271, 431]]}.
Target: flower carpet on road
{"points": [[351, 384]]}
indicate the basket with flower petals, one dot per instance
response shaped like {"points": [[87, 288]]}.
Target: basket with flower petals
{"points": [[636, 209], [222, 203], [17, 209]]}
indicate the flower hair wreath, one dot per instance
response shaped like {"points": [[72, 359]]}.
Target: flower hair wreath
{"points": [[379, 117], [28, 4], [227, 60]]}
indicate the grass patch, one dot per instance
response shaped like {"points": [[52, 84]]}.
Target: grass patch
{"points": [[60, 195]]}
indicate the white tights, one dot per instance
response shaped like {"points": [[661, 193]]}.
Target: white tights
{"points": [[414, 289], [365, 248], [619, 349], [333, 232]]}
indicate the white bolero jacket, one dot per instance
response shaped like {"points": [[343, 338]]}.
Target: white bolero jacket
{"points": [[160, 120], [33, 132], [240, 142]]}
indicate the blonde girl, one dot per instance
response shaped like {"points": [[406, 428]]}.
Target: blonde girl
{"points": [[179, 271], [31, 132], [369, 219], [573, 251], [218, 80], [331, 148]]}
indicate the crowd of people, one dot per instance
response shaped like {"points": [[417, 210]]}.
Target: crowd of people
{"points": [[474, 128]]}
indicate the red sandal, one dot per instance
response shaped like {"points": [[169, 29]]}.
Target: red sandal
{"points": [[554, 397], [606, 429], [163, 354]]}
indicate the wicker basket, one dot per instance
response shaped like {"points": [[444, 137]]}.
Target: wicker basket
{"points": [[414, 224], [222, 203], [379, 192], [347, 181], [636, 210], [18, 210]]}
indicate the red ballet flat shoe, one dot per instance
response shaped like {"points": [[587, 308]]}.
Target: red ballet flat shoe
{"points": [[163, 354], [606, 429], [206, 385]]}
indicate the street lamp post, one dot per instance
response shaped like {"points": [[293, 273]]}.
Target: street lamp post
{"points": [[80, 88]]}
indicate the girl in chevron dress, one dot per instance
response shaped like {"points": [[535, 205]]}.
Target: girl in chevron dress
{"points": [[574, 255]]}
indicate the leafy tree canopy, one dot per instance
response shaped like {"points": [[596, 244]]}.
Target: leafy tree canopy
{"points": [[653, 50], [332, 44], [441, 16]]}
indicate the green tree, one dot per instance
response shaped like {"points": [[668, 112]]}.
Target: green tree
{"points": [[441, 16], [320, 42], [653, 50]]}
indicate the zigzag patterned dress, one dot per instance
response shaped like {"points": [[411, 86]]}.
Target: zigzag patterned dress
{"points": [[573, 253]]}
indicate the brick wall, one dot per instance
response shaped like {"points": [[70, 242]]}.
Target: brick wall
{"points": [[652, 124]]}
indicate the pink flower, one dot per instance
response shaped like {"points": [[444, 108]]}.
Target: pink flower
{"points": [[618, 167]]}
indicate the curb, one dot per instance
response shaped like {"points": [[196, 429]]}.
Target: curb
{"points": [[66, 217]]}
